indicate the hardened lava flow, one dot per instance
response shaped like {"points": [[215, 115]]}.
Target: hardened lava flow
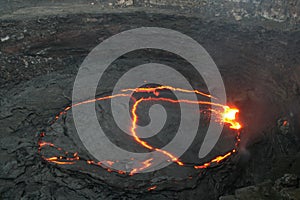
{"points": [[224, 115]]}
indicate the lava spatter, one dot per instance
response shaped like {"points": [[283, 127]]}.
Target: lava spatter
{"points": [[224, 114]]}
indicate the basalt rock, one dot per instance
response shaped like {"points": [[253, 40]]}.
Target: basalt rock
{"points": [[41, 53]]}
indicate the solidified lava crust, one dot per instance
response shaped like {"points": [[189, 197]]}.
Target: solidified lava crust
{"points": [[39, 62]]}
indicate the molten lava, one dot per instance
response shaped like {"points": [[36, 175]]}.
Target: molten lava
{"points": [[225, 115], [229, 116]]}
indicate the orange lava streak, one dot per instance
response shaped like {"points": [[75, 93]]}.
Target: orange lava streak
{"points": [[133, 125], [146, 164], [218, 159], [143, 143], [152, 188], [42, 144], [163, 87], [183, 101], [56, 160], [100, 99]]}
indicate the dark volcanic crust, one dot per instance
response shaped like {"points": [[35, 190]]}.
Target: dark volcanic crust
{"points": [[40, 59]]}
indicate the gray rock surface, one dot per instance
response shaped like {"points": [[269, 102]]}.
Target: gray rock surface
{"points": [[40, 56], [289, 190], [269, 13]]}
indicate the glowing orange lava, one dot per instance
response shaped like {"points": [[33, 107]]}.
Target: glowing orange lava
{"points": [[229, 116], [215, 160], [152, 188], [166, 87], [225, 115]]}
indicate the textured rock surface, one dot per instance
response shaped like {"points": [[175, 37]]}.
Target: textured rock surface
{"points": [[283, 13], [40, 57], [289, 190]]}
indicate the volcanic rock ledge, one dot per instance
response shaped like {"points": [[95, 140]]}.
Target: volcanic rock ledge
{"points": [[286, 187]]}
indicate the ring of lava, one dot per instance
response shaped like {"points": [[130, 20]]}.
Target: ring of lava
{"points": [[225, 114]]}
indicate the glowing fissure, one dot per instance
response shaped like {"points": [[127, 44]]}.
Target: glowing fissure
{"points": [[225, 115]]}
